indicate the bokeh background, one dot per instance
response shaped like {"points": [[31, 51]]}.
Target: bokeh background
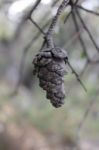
{"points": [[27, 119]]}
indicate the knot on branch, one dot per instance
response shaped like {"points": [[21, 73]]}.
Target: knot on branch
{"points": [[50, 67]]}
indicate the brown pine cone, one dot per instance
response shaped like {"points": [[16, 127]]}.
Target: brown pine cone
{"points": [[50, 68]]}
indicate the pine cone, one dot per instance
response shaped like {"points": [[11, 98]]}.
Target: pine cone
{"points": [[50, 69]]}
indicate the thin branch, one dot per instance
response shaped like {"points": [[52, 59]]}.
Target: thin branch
{"points": [[38, 27], [89, 11], [77, 76], [79, 37], [87, 30], [48, 37], [34, 7], [67, 17], [55, 19]]}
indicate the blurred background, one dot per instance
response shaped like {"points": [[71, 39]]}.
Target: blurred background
{"points": [[27, 119]]}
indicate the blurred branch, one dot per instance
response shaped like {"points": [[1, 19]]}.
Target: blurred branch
{"points": [[77, 76], [17, 14], [87, 30], [67, 17], [89, 11], [82, 44], [74, 11], [38, 27], [34, 7], [55, 19], [79, 37], [48, 38]]}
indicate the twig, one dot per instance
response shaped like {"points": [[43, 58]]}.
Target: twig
{"points": [[38, 27], [89, 11], [77, 76], [67, 17], [55, 19], [48, 37], [34, 7], [79, 37], [87, 30]]}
